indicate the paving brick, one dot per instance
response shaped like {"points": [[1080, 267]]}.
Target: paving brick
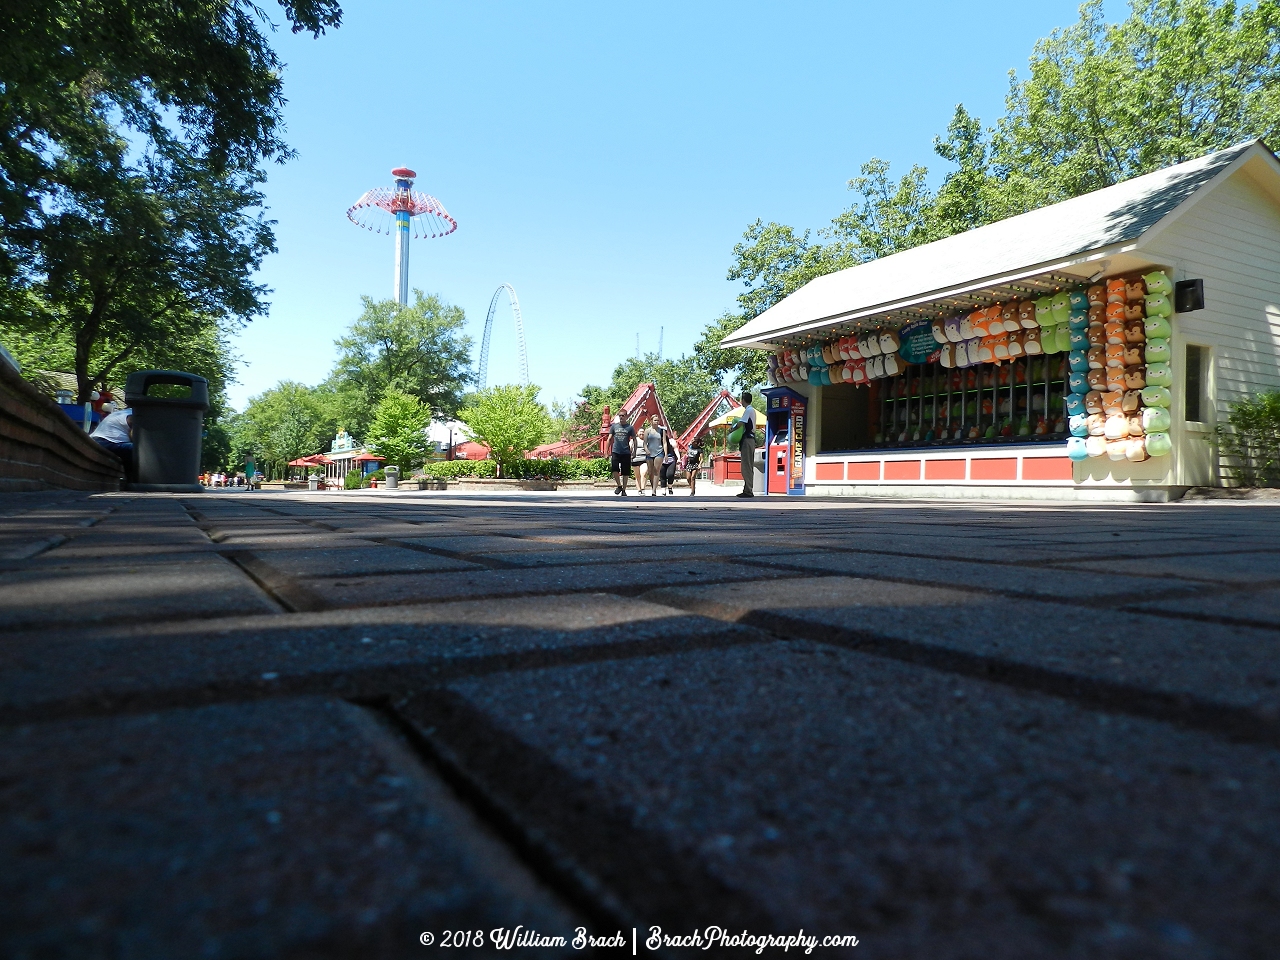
{"points": [[1260, 607], [359, 558], [199, 586], [422, 588], [1222, 565], [297, 828], [927, 814], [1126, 656]]}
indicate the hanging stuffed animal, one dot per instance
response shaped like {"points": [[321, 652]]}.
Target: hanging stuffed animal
{"points": [[1096, 334], [1115, 355], [1078, 425], [1000, 347], [1135, 450], [1116, 427], [1158, 445], [1079, 300], [1115, 378], [1097, 357], [938, 328], [1115, 331], [952, 327], [1016, 341], [1044, 312], [1116, 449], [1158, 305], [893, 364], [1096, 378], [1159, 375], [869, 345], [1031, 342], [1157, 328], [1074, 404], [979, 323], [890, 342], [1077, 449], [1131, 402], [995, 320], [1135, 289], [1116, 292], [1027, 315], [1095, 425], [1093, 402], [946, 355], [1156, 396], [1061, 305], [1134, 332], [1098, 313], [1009, 316], [1096, 446], [1079, 341], [1156, 420], [1096, 295], [1115, 311], [1078, 360], [1133, 355], [1135, 377], [1134, 311], [1157, 351], [1113, 403], [1158, 282]]}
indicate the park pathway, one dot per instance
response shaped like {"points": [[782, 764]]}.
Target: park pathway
{"points": [[326, 725]]}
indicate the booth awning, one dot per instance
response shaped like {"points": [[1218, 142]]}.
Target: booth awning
{"points": [[733, 415], [369, 457], [315, 460]]}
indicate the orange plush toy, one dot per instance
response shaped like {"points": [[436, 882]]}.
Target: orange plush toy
{"points": [[1115, 331], [1115, 355], [1116, 311], [1112, 403], [1116, 292], [979, 323]]}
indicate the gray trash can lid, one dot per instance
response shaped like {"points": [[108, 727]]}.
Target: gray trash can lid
{"points": [[137, 384]]}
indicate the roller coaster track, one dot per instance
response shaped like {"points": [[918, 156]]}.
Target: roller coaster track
{"points": [[483, 379]]}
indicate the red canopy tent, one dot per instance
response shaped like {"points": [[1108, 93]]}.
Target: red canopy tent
{"points": [[315, 460], [368, 458]]}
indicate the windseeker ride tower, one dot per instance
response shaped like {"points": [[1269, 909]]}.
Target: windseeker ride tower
{"points": [[384, 209]]}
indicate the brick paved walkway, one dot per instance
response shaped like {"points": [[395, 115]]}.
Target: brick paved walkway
{"points": [[274, 725]]}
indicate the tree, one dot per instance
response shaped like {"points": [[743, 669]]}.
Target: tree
{"points": [[399, 430], [417, 349], [289, 421], [509, 420], [682, 385]]}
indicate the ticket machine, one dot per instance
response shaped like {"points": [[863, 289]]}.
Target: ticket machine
{"points": [[785, 431]]}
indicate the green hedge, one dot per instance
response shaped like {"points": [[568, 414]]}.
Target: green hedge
{"points": [[1251, 446], [567, 469]]}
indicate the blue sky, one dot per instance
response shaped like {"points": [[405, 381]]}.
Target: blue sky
{"points": [[601, 158]]}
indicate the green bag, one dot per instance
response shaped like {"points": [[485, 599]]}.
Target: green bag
{"points": [[735, 435]]}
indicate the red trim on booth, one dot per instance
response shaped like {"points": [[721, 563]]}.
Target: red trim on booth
{"points": [[944, 469], [829, 471], [1047, 468], [1003, 468], [902, 469], [867, 470]]}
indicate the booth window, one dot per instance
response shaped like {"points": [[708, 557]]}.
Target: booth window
{"points": [[1018, 401], [1195, 383]]}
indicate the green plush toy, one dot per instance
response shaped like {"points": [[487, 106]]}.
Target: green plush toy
{"points": [[1158, 351], [1159, 375], [1156, 420], [1158, 305], [1158, 282], [1044, 312], [1157, 328], [1159, 445], [1156, 397], [1060, 303]]}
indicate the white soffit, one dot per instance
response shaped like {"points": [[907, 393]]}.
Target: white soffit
{"points": [[1043, 249]]}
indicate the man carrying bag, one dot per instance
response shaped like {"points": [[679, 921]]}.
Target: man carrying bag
{"points": [[744, 428]]}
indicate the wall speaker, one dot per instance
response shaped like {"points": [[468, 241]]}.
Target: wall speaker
{"points": [[1188, 295]]}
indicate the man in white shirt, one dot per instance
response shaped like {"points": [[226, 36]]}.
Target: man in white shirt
{"points": [[115, 433], [747, 445]]}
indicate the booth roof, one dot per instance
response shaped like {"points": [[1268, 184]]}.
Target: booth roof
{"points": [[734, 414], [364, 457], [959, 272]]}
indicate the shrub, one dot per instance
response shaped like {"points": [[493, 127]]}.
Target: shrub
{"points": [[453, 469], [380, 474], [1252, 444], [556, 469], [352, 480]]}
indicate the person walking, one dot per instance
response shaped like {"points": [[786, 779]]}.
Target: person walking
{"points": [[622, 437], [693, 461], [670, 460], [654, 449], [747, 445]]}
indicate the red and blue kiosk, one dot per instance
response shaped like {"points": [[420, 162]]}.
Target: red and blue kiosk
{"points": [[786, 427]]}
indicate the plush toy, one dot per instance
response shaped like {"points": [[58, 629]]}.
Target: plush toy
{"points": [[893, 364], [1062, 339], [980, 323], [1027, 315], [1157, 328], [1113, 402], [1096, 446], [986, 350], [1158, 305], [1078, 320], [1000, 347], [890, 342], [1096, 295], [1078, 360], [1116, 449], [938, 328], [1115, 355], [1159, 375], [1116, 292], [1095, 425], [1077, 450], [1133, 355], [961, 354], [1061, 306], [1159, 445], [966, 327], [1075, 404], [1158, 351], [995, 319], [1044, 312], [1079, 341], [1156, 397], [1015, 344], [1115, 311], [1098, 313], [1135, 289], [1077, 383], [1079, 425], [1134, 311], [1134, 332], [1093, 402], [1096, 334], [869, 345], [1131, 401], [1135, 424], [1115, 331], [1031, 342], [1115, 378], [1158, 282], [1009, 316], [1135, 450], [952, 327], [1116, 427], [1097, 379], [1135, 377], [975, 347], [1097, 357], [827, 357], [1156, 420]]}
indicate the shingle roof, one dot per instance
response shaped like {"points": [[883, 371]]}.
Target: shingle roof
{"points": [[1104, 218]]}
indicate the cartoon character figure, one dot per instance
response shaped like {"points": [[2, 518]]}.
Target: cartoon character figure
{"points": [[1116, 292]]}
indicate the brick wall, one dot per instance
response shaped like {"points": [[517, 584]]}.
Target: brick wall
{"points": [[41, 448]]}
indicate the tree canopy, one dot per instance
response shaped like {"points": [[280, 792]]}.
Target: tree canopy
{"points": [[684, 385], [509, 420], [399, 430], [1100, 103]]}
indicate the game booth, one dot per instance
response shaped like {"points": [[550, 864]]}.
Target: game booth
{"points": [[1086, 350]]}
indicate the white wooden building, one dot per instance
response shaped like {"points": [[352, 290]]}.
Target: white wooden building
{"points": [[1215, 219]]}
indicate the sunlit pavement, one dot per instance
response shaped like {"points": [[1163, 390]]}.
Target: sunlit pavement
{"points": [[323, 725]]}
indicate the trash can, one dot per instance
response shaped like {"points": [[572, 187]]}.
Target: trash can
{"points": [[392, 473], [758, 472], [167, 430]]}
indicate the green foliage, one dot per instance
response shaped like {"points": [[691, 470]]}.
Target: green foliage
{"points": [[508, 420], [398, 431], [353, 480], [417, 349], [1251, 444], [1100, 103], [289, 421], [684, 385], [596, 468]]}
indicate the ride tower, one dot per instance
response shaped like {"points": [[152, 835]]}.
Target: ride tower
{"points": [[404, 210]]}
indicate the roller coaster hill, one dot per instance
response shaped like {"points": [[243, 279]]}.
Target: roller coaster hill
{"points": [[635, 410]]}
